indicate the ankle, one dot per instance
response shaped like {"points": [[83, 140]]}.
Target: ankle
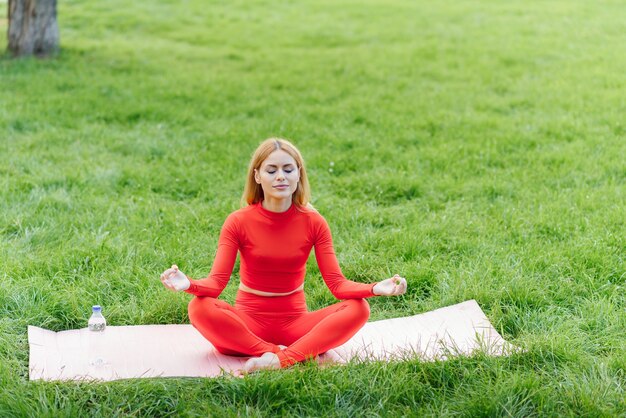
{"points": [[284, 359]]}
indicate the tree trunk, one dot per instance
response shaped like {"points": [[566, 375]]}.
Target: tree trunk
{"points": [[33, 27]]}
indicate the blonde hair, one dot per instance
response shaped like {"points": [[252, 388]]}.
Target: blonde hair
{"points": [[253, 193]]}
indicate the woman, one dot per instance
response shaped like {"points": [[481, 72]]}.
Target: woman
{"points": [[274, 234]]}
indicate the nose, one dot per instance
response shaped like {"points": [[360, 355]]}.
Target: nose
{"points": [[280, 174]]}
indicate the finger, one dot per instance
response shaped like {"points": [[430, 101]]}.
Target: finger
{"points": [[394, 289], [175, 267], [397, 290]]}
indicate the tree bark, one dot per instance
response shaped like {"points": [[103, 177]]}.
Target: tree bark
{"points": [[33, 27]]}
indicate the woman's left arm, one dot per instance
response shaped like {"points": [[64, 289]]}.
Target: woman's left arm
{"points": [[339, 286]]}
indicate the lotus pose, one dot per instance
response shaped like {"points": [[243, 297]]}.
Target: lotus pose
{"points": [[274, 233]]}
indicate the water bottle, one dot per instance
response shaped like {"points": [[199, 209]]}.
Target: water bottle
{"points": [[97, 325]]}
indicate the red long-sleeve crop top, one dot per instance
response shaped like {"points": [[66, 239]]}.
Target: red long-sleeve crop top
{"points": [[274, 249]]}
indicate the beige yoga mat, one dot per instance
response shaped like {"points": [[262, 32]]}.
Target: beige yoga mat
{"points": [[123, 352]]}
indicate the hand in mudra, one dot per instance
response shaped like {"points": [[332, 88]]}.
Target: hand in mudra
{"points": [[174, 279], [391, 287]]}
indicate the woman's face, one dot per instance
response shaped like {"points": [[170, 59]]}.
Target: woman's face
{"points": [[278, 176]]}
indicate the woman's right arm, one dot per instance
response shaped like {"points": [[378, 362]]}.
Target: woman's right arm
{"points": [[227, 247]]}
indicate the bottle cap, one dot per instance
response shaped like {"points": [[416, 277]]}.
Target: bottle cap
{"points": [[96, 308]]}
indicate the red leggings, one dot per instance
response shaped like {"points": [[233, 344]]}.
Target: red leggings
{"points": [[258, 324]]}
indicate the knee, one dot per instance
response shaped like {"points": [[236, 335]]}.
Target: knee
{"points": [[198, 306], [360, 308]]}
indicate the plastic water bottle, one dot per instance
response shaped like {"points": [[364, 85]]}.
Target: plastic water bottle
{"points": [[97, 325]]}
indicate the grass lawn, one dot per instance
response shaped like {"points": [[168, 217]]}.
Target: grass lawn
{"points": [[477, 148]]}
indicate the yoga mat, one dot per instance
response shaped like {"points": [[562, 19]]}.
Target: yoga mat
{"points": [[179, 350]]}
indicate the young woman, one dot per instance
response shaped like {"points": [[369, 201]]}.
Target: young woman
{"points": [[274, 234]]}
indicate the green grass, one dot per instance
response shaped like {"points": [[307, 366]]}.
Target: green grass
{"points": [[475, 147]]}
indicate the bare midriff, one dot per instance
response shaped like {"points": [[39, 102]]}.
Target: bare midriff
{"points": [[268, 294]]}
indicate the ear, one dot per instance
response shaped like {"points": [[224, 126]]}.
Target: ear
{"points": [[257, 177]]}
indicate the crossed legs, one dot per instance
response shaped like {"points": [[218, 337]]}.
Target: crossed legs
{"points": [[227, 328], [234, 331]]}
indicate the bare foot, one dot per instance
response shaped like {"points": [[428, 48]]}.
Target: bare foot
{"points": [[328, 358], [267, 361]]}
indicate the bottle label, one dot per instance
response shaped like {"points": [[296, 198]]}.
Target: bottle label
{"points": [[97, 327]]}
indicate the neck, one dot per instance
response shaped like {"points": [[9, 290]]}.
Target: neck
{"points": [[277, 205]]}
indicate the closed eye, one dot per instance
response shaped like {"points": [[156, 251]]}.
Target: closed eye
{"points": [[271, 169]]}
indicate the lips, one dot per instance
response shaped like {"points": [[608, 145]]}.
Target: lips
{"points": [[282, 186]]}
